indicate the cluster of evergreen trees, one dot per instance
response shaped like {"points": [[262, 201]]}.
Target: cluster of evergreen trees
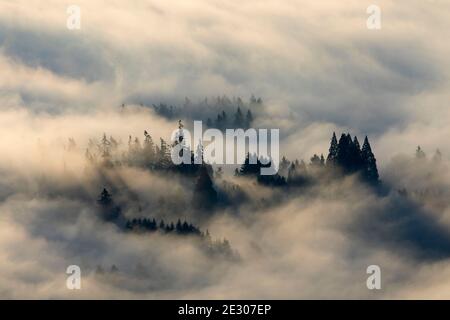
{"points": [[150, 225], [144, 154], [166, 111], [348, 155], [252, 168], [238, 120], [421, 155], [344, 156], [214, 111], [212, 247]]}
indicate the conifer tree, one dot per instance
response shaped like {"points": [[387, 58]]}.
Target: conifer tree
{"points": [[251, 166], [333, 151], [105, 147], [292, 173], [105, 198], [109, 211], [356, 143], [238, 118], [205, 196], [149, 149], [284, 165], [437, 158], [420, 154], [356, 161], [224, 119], [344, 152], [248, 119], [219, 122], [370, 172], [315, 160], [164, 158]]}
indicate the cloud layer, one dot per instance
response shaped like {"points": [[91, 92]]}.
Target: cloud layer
{"points": [[318, 69]]}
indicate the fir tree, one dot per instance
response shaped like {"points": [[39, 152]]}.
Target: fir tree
{"points": [[420, 154], [108, 209], [205, 196], [164, 158], [292, 172], [219, 122], [333, 151], [149, 149], [224, 119], [105, 198], [251, 166], [248, 119], [238, 119], [370, 172], [105, 147], [315, 160], [284, 165]]}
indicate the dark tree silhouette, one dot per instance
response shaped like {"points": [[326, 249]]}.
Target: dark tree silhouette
{"points": [[333, 151], [149, 150], [343, 155], [150, 225], [248, 119], [370, 172], [351, 158], [109, 210], [105, 198], [205, 196], [239, 119], [252, 168], [284, 166]]}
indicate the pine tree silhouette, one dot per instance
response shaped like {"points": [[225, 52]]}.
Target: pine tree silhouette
{"points": [[238, 119], [205, 196], [333, 151], [105, 198], [149, 150], [370, 172], [248, 119], [251, 166], [109, 210], [420, 154]]}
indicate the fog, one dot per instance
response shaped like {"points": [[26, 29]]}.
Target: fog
{"points": [[318, 70]]}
